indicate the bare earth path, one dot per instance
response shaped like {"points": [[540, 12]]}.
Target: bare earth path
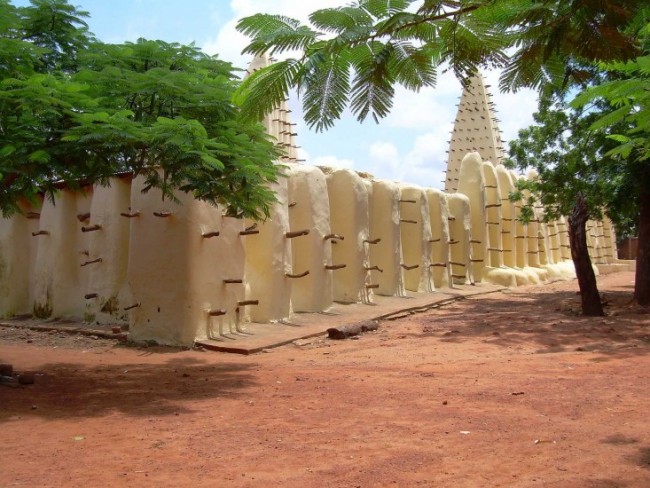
{"points": [[509, 389]]}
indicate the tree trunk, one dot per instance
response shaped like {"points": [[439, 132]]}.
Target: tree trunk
{"points": [[590, 298], [642, 277]]}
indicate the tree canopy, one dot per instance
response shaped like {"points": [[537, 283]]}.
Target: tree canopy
{"points": [[77, 110], [354, 56]]}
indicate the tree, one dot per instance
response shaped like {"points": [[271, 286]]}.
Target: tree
{"points": [[628, 122], [575, 178], [77, 110], [355, 55]]}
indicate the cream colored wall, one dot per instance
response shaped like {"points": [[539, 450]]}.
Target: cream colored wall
{"points": [[106, 291], [472, 185], [62, 257], [415, 232], [460, 226], [17, 255], [439, 217], [493, 216], [508, 224], [178, 281], [384, 242], [310, 253], [268, 260], [350, 227]]}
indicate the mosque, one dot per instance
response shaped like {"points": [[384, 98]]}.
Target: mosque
{"points": [[179, 273]]}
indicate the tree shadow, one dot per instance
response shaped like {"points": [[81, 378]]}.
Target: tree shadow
{"points": [[70, 390], [550, 320]]}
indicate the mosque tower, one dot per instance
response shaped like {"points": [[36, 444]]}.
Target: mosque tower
{"points": [[475, 129], [278, 123]]}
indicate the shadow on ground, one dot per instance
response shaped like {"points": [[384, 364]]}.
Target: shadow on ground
{"points": [[551, 320], [70, 390]]}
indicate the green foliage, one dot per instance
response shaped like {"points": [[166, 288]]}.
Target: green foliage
{"points": [[372, 45], [571, 159], [73, 109]]}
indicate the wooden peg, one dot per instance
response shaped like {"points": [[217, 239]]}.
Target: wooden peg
{"points": [[301, 275], [90, 295], [233, 281], [249, 232], [292, 204], [407, 201], [435, 240], [217, 313], [409, 268], [297, 233], [83, 217], [92, 261], [372, 241], [408, 221], [91, 228], [208, 235], [135, 305], [457, 263], [248, 302], [438, 265], [453, 242], [475, 241], [130, 215], [373, 268], [334, 237], [333, 267], [493, 205], [368, 287], [41, 233], [162, 214]]}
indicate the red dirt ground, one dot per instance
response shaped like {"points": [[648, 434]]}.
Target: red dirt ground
{"points": [[507, 389]]}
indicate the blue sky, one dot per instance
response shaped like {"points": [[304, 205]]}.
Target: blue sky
{"points": [[409, 145]]}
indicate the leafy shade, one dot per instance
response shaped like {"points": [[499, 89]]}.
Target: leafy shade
{"points": [[145, 107], [354, 56]]}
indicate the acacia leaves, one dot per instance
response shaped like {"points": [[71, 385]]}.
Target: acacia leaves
{"points": [[73, 109]]}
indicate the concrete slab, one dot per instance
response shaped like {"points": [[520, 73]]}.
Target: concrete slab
{"points": [[300, 326]]}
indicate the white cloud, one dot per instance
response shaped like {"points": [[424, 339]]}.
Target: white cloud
{"points": [[228, 43]]}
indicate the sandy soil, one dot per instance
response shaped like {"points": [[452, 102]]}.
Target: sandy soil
{"points": [[509, 389]]}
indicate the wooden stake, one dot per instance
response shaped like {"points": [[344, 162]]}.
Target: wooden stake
{"points": [[98, 260], [297, 233], [333, 267], [301, 275], [92, 228]]}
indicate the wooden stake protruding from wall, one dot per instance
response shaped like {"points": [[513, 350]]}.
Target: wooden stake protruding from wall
{"points": [[300, 275], [92, 261], [217, 313], [208, 235], [130, 307], [130, 215], [297, 233], [334, 267], [91, 228]]}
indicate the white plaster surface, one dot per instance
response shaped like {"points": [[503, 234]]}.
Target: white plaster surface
{"points": [[415, 230], [472, 185], [350, 219], [308, 189], [384, 225], [268, 260]]}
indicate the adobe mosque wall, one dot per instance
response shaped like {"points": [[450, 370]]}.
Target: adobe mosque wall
{"points": [[177, 273]]}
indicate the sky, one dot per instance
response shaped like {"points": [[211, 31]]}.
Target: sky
{"points": [[409, 145]]}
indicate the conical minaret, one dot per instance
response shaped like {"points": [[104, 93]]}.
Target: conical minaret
{"points": [[475, 129], [278, 123]]}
